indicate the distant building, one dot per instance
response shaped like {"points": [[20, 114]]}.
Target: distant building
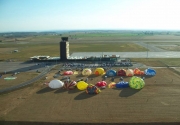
{"points": [[40, 57], [16, 50]]}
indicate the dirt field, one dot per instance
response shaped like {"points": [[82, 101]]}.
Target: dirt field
{"points": [[22, 77], [158, 102]]}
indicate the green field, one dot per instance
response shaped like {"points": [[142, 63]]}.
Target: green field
{"points": [[87, 41], [28, 50]]}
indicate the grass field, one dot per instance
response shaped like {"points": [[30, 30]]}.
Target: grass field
{"points": [[87, 41], [161, 62], [29, 50]]}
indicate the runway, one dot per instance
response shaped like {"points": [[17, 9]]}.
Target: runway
{"points": [[167, 54]]}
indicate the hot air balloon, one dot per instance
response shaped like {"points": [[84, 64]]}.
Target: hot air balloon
{"points": [[81, 85], [69, 84], [129, 72], [99, 71], [86, 72], [121, 72], [55, 84], [101, 84], [92, 89], [150, 72], [111, 72], [68, 73], [136, 82], [112, 85], [122, 84], [138, 72]]}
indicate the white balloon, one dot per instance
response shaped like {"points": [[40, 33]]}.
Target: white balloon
{"points": [[55, 84]]}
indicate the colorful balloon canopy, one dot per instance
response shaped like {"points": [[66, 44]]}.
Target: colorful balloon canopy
{"points": [[81, 85], [129, 72], [55, 84], [111, 72], [136, 82], [122, 84], [68, 73], [86, 72], [121, 72], [101, 84], [69, 84], [138, 72], [92, 89], [150, 72], [112, 85], [99, 71]]}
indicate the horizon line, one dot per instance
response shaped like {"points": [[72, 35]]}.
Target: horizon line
{"points": [[89, 30]]}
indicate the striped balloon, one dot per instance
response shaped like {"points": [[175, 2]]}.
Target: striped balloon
{"points": [[69, 84]]}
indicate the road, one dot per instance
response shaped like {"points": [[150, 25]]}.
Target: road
{"points": [[150, 47], [21, 66], [169, 54]]}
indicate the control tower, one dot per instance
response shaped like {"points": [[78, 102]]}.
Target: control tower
{"points": [[64, 48]]}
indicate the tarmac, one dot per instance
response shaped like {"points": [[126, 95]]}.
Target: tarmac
{"points": [[167, 54]]}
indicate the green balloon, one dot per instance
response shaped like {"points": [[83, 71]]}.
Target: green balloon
{"points": [[136, 83]]}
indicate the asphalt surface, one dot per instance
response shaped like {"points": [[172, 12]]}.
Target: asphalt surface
{"points": [[150, 47], [22, 67], [167, 54]]}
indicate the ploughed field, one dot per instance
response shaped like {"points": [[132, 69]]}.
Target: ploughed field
{"points": [[157, 102]]}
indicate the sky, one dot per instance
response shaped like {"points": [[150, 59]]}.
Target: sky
{"points": [[46, 15]]}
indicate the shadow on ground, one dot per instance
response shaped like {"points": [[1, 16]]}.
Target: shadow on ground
{"points": [[73, 91], [60, 91], [44, 90], [126, 92], [83, 95]]}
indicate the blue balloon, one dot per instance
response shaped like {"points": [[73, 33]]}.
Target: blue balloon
{"points": [[150, 72], [122, 84], [111, 73]]}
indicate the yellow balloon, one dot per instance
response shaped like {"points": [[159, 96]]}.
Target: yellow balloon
{"points": [[99, 71], [81, 85], [112, 85]]}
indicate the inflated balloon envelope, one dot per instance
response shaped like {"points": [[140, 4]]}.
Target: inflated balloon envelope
{"points": [[138, 72], [99, 71], [55, 84], [136, 83], [121, 72], [86, 72], [92, 89], [111, 73], [150, 72], [101, 84], [122, 84], [112, 85], [129, 72], [69, 84], [81, 85], [68, 73]]}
